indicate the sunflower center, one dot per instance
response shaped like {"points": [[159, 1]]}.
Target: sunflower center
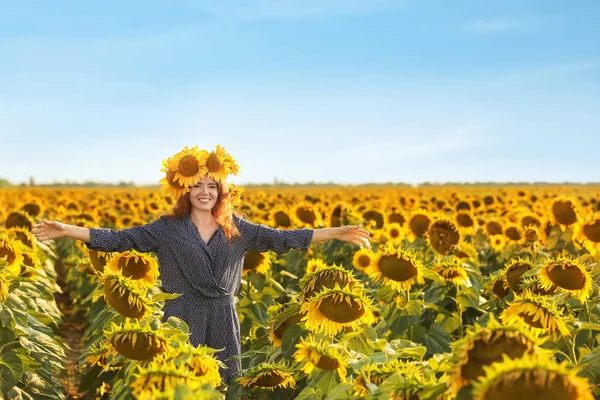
{"points": [[280, 330], [253, 259], [375, 216], [394, 233], [419, 225], [341, 312], [531, 235], [485, 352], [465, 220], [269, 380], [513, 233], [364, 261], [138, 345], [188, 165], [450, 273], [31, 209], [592, 231], [17, 219], [397, 218], [328, 363], [564, 212], [397, 269], [328, 280], [531, 220], [134, 269], [513, 275], [282, 219], [214, 163], [306, 215], [443, 236], [531, 384], [493, 228], [123, 301], [567, 276]]}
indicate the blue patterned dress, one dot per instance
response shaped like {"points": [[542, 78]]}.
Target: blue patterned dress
{"points": [[206, 274]]}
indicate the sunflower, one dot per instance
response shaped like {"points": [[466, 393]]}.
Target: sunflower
{"points": [[531, 377], [539, 314], [99, 259], [322, 355], [418, 223], [257, 261], [513, 232], [19, 219], [362, 258], [466, 222], [279, 217], [514, 271], [307, 216], [451, 271], [481, 347], [124, 296], [33, 207], [375, 374], [161, 376], [331, 310], [283, 316], [235, 195], [188, 166], [373, 218], [141, 268], [566, 274], [24, 236], [268, 376], [219, 164], [394, 233], [101, 355], [136, 340], [588, 232], [499, 286], [563, 211], [532, 236], [170, 186], [325, 277], [4, 286], [10, 252], [493, 228], [200, 360], [498, 242], [397, 268], [443, 236]]}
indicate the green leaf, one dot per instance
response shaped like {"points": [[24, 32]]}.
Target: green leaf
{"points": [[290, 339], [362, 340], [413, 308], [436, 339], [327, 381], [165, 296], [310, 393], [11, 368], [469, 297], [342, 391]]}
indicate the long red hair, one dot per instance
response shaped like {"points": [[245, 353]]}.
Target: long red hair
{"points": [[222, 211]]}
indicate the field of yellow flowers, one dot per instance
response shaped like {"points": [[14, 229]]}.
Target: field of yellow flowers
{"points": [[466, 293]]}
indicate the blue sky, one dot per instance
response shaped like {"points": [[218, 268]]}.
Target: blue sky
{"points": [[349, 91]]}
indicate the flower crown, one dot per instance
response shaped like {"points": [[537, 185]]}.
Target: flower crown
{"points": [[186, 168]]}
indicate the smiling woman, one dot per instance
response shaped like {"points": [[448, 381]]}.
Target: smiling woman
{"points": [[201, 246]]}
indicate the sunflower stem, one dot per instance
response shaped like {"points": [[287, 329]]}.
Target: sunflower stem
{"points": [[573, 353]]}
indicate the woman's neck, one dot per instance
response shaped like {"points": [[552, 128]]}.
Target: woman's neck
{"points": [[203, 218]]}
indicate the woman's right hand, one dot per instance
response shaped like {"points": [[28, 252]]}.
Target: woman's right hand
{"points": [[47, 230]]}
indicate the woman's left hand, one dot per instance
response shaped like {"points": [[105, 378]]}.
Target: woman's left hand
{"points": [[353, 234]]}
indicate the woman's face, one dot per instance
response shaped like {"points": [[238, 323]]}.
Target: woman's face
{"points": [[204, 195]]}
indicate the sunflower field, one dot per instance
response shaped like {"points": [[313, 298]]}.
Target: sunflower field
{"points": [[466, 293]]}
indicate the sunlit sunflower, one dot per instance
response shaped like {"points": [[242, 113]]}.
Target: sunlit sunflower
{"points": [[200, 360], [314, 264], [464, 252], [394, 233], [101, 355], [279, 217], [443, 235], [257, 261], [268, 376], [282, 317], [418, 223], [493, 227], [397, 268], [235, 195], [532, 236], [513, 272], [161, 376], [188, 165], [373, 219], [137, 341], [307, 215], [563, 211], [34, 207], [451, 271], [482, 346], [588, 233], [362, 258], [219, 164], [411, 373], [325, 277], [170, 186], [11, 253], [498, 242], [537, 312], [19, 219], [531, 377], [568, 275], [24, 236], [513, 232], [141, 268], [331, 310], [323, 355], [466, 222], [530, 219], [98, 259], [4, 285], [499, 286], [124, 296]]}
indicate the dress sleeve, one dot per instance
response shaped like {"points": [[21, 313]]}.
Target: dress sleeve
{"points": [[144, 238], [261, 238]]}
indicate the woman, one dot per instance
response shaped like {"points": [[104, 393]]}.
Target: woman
{"points": [[200, 248]]}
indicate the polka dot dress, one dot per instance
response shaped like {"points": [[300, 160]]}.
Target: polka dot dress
{"points": [[207, 274]]}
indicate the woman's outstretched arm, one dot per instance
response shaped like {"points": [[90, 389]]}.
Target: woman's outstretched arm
{"points": [[350, 233], [145, 238]]}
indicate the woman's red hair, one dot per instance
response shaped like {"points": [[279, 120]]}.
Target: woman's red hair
{"points": [[222, 210]]}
